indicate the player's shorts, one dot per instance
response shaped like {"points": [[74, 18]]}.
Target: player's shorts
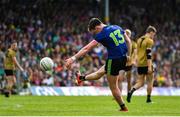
{"points": [[9, 72], [113, 66], [143, 70], [128, 68]]}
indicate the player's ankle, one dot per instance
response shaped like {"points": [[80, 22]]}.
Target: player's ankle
{"points": [[82, 78], [148, 97], [132, 90], [122, 106]]}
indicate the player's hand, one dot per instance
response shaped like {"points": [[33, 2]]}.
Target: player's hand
{"points": [[134, 63], [68, 63], [21, 69], [128, 61], [150, 70]]}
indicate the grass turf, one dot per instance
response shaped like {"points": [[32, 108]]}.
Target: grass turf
{"points": [[86, 106]]}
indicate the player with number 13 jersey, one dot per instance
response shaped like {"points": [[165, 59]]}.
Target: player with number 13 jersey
{"points": [[112, 37]]}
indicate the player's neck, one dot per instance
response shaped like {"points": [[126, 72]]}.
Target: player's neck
{"points": [[12, 48], [101, 27], [147, 35]]}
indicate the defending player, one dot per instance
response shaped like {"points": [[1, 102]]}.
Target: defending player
{"points": [[145, 68], [113, 38], [131, 62], [98, 74], [9, 66]]}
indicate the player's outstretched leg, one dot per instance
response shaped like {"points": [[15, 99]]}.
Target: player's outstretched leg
{"points": [[93, 76], [96, 75], [79, 78]]}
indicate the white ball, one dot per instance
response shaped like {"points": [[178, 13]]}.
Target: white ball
{"points": [[46, 64]]}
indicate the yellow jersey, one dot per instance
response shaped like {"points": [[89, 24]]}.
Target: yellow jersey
{"points": [[132, 57], [143, 43], [9, 63]]}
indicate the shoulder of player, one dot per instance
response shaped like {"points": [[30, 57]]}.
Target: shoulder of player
{"points": [[114, 27], [99, 35], [133, 41], [134, 44], [139, 39], [106, 30], [149, 40], [11, 51]]}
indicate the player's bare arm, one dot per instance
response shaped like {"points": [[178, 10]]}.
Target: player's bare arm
{"points": [[82, 52], [149, 60], [134, 62], [17, 64], [129, 44]]}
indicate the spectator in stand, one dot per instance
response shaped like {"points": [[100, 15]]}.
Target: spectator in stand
{"points": [[59, 32]]}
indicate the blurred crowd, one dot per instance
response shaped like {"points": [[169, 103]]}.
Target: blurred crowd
{"points": [[58, 29]]}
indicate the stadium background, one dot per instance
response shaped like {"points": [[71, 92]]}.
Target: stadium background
{"points": [[58, 29]]}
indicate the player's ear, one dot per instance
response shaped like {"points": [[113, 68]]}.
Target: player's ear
{"points": [[96, 28]]}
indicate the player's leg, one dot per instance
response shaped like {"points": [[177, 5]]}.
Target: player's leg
{"points": [[96, 75], [113, 85], [14, 80], [9, 85], [139, 83], [9, 82], [150, 80], [128, 76], [120, 79], [93, 76], [112, 68]]}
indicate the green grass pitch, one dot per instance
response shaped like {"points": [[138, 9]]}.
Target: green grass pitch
{"points": [[87, 106]]}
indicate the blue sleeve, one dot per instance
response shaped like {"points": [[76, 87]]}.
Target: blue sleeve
{"points": [[122, 31], [99, 37]]}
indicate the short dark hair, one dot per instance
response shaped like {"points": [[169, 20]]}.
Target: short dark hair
{"points": [[13, 41], [93, 23], [151, 29]]}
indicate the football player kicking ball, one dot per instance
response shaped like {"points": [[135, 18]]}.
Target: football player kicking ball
{"points": [[98, 74], [113, 38], [144, 63]]}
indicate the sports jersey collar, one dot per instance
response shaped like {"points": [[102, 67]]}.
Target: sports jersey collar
{"points": [[102, 29]]}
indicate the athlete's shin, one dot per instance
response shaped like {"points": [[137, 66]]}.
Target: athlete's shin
{"points": [[128, 76], [140, 82], [113, 85], [150, 81], [96, 75], [117, 95]]}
